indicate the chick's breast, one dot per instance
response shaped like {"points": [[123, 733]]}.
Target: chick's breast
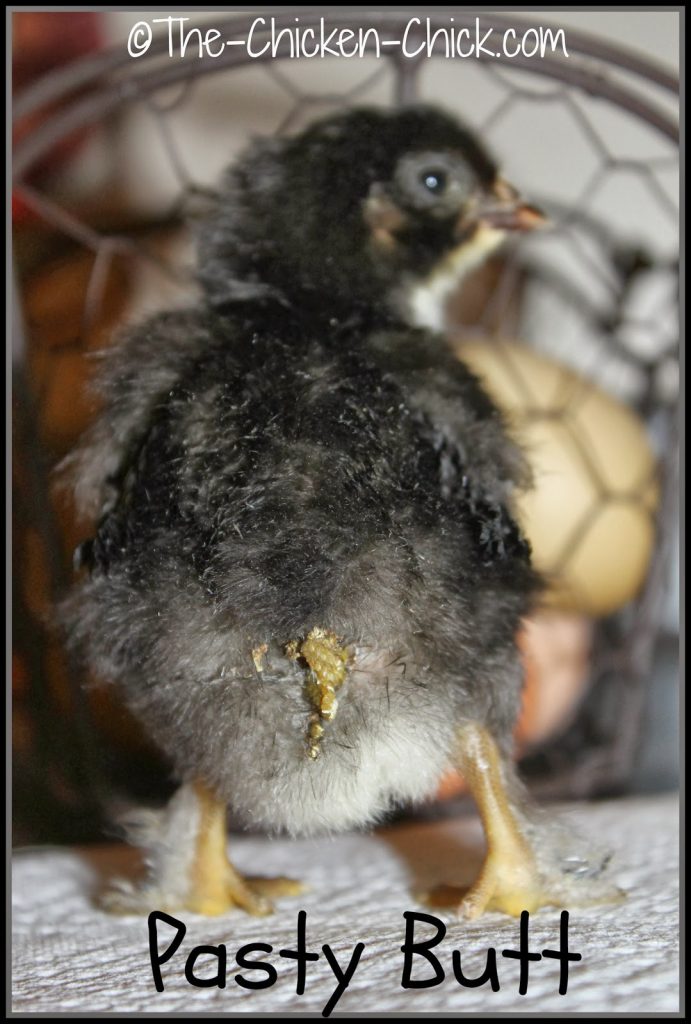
{"points": [[286, 482]]}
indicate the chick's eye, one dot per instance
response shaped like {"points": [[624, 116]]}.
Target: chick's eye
{"points": [[434, 181]]}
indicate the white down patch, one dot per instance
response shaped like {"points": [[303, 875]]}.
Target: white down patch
{"points": [[426, 301]]}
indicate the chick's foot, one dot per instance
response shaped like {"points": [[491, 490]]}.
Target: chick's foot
{"points": [[255, 896], [215, 885], [520, 871], [190, 868]]}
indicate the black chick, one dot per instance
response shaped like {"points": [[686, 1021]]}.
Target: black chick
{"points": [[307, 578]]}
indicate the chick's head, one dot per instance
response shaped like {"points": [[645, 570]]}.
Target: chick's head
{"points": [[368, 211]]}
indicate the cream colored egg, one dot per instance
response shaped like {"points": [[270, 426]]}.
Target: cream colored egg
{"points": [[590, 515]]}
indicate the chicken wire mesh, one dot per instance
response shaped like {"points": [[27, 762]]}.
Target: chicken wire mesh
{"points": [[111, 240]]}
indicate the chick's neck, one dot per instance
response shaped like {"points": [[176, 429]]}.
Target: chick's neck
{"points": [[308, 314]]}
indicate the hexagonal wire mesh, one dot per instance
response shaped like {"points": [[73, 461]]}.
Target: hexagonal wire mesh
{"points": [[597, 293]]}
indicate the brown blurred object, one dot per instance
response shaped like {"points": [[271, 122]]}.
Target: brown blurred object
{"points": [[484, 303], [65, 734], [75, 303], [556, 655], [60, 334], [42, 41]]}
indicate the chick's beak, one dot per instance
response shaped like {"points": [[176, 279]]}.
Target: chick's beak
{"points": [[503, 209]]}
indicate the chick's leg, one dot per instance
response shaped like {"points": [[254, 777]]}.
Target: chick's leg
{"points": [[530, 862], [527, 865], [187, 857], [215, 885], [509, 879]]}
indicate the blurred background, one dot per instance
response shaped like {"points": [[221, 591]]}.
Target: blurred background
{"points": [[575, 333]]}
